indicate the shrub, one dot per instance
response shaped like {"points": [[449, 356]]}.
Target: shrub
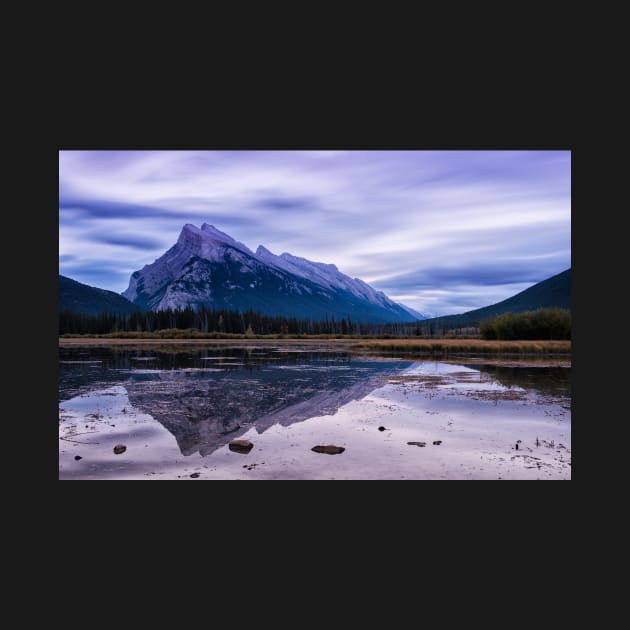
{"points": [[544, 323]]}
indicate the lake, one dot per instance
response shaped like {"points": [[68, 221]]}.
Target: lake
{"points": [[176, 408]]}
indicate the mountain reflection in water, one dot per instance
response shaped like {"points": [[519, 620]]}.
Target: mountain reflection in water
{"points": [[206, 398]]}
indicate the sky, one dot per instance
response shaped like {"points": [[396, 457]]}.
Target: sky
{"points": [[440, 231]]}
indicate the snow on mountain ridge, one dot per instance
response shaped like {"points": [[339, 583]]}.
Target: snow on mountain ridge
{"points": [[170, 280], [216, 234], [206, 242], [298, 260], [324, 274]]}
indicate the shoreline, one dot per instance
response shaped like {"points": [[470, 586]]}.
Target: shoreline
{"points": [[436, 345], [100, 341], [495, 352]]}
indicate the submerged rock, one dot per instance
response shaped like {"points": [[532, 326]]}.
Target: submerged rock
{"points": [[329, 449], [77, 458], [119, 448], [417, 443], [382, 429], [194, 475], [241, 446], [437, 442]]}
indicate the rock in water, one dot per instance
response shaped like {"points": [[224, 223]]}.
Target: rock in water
{"points": [[437, 442], [195, 475], [241, 446], [329, 449], [119, 448], [77, 458], [382, 429], [417, 443]]}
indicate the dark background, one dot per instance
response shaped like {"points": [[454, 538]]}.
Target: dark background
{"points": [[464, 95]]}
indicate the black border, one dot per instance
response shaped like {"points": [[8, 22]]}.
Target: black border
{"points": [[507, 119]]}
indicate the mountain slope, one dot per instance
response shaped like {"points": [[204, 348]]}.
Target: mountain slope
{"points": [[82, 298], [208, 267], [550, 293]]}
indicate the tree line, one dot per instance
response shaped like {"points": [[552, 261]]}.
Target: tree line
{"points": [[222, 321], [541, 324], [203, 320]]}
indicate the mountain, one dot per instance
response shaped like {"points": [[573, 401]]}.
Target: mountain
{"points": [[550, 293], [415, 314], [208, 267], [82, 298]]}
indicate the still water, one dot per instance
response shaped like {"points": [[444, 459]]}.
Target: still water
{"points": [[175, 409]]}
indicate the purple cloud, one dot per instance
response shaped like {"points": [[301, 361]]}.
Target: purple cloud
{"points": [[438, 230]]}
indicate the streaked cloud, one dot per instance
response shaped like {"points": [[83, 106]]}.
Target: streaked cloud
{"points": [[443, 230]]}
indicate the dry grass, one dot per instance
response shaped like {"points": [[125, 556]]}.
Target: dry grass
{"points": [[240, 341], [426, 380], [453, 346], [497, 396], [416, 346]]}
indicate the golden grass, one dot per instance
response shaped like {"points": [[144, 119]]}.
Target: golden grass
{"points": [[416, 346], [117, 341], [452, 346]]}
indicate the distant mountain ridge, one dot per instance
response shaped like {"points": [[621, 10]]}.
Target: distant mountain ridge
{"points": [[207, 267], [554, 292], [82, 298]]}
